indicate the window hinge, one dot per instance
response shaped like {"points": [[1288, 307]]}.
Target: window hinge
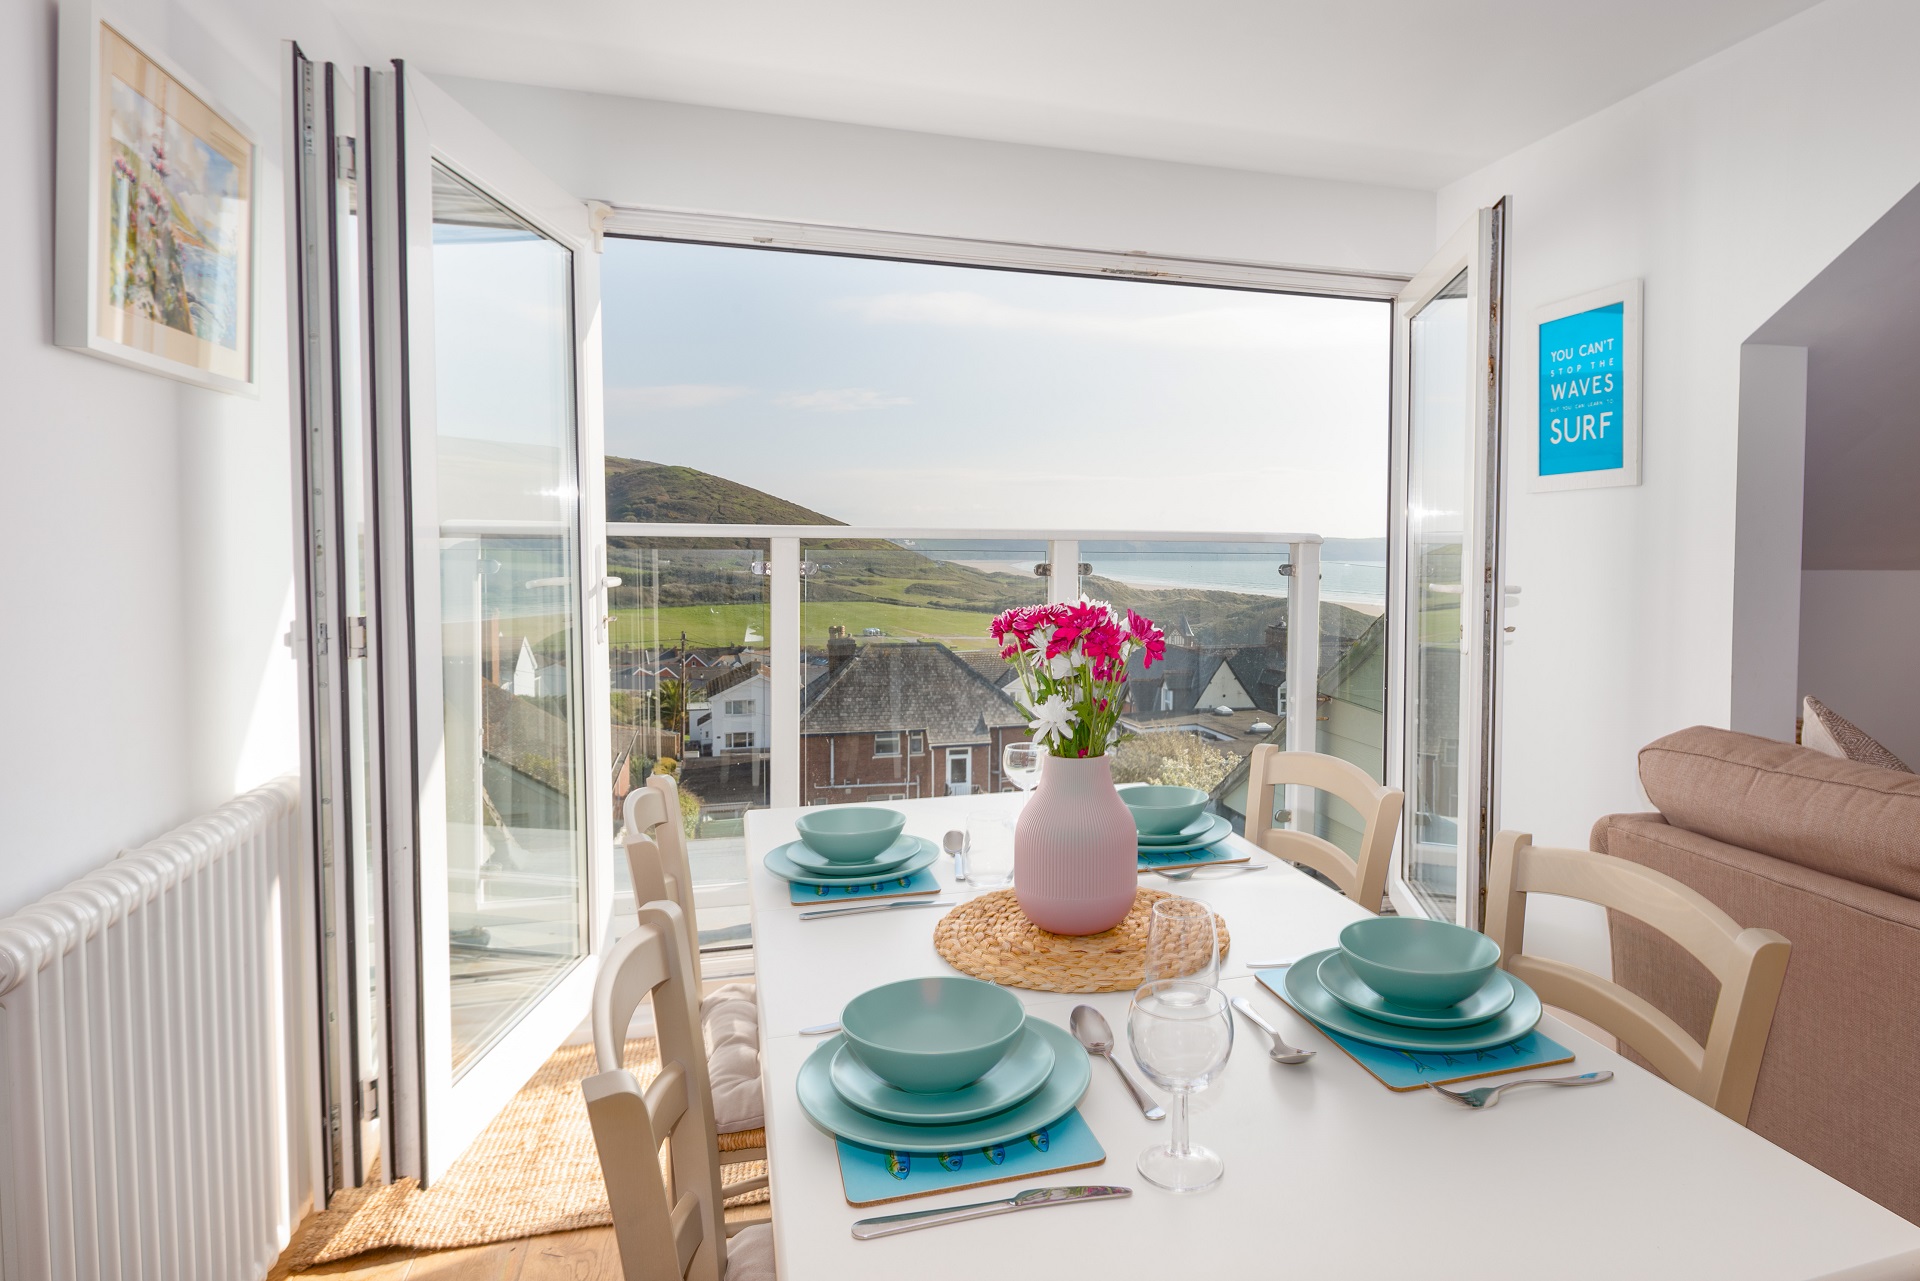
{"points": [[1045, 569], [370, 1100], [357, 637], [343, 160]]}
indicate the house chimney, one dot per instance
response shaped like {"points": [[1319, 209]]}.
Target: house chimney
{"points": [[840, 649], [1277, 637]]}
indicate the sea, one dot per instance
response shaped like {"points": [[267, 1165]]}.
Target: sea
{"points": [[1358, 581]]}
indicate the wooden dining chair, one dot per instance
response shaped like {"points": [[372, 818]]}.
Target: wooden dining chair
{"points": [[668, 1215], [1362, 879], [656, 845], [1750, 964]]}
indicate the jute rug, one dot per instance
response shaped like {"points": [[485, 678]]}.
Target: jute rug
{"points": [[532, 1171]]}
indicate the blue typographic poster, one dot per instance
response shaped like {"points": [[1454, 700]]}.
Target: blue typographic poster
{"points": [[1583, 392]]}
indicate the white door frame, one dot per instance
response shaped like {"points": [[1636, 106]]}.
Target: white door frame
{"points": [[411, 125], [1478, 248]]}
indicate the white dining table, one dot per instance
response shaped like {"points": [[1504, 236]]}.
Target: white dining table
{"points": [[1328, 1173]]}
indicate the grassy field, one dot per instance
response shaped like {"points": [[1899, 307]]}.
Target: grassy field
{"points": [[727, 624]]}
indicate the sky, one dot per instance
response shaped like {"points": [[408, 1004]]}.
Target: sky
{"points": [[880, 392]]}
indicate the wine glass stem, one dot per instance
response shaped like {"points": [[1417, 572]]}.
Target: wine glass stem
{"points": [[1179, 1146]]}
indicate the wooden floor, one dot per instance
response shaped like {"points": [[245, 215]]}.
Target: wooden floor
{"points": [[587, 1255]]}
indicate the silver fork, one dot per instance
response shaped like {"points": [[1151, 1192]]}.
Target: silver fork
{"points": [[1488, 1095], [1232, 869]]}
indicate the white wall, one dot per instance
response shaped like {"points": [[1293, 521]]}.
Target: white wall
{"points": [[1727, 187], [147, 580], [1858, 630], [670, 155]]}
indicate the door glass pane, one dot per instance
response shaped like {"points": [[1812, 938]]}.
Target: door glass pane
{"points": [[1438, 482], [508, 500], [692, 697]]}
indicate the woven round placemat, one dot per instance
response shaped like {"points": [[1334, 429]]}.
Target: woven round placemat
{"points": [[991, 938]]}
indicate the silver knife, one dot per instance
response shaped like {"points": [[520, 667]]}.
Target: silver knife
{"points": [[1031, 1199], [819, 912]]}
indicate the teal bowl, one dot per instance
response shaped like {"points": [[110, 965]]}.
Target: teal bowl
{"points": [[932, 1035], [1425, 964], [850, 833], [1160, 809]]}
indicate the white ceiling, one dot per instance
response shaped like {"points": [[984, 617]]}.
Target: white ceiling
{"points": [[1860, 323], [1405, 92]]}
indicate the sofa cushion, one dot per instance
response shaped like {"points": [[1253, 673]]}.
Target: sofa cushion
{"points": [[1831, 734], [1849, 820]]}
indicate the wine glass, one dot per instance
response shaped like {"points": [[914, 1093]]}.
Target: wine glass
{"points": [[1020, 762], [1182, 942], [989, 849], [1181, 1033]]}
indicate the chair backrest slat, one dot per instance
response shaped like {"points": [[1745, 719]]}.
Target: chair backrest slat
{"points": [[1362, 879], [668, 1228], [1750, 964], [656, 844]]}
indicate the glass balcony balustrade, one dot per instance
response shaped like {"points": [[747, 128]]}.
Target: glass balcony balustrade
{"points": [[810, 665]]}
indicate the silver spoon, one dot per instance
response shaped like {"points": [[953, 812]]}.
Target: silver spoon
{"points": [[1187, 873], [1091, 1030], [1280, 1052], [955, 843], [1488, 1095], [821, 1029]]}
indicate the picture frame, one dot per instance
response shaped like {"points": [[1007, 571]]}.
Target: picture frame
{"points": [[1587, 352], [156, 211]]}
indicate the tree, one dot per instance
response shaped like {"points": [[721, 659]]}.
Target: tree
{"points": [[670, 704], [1174, 757]]}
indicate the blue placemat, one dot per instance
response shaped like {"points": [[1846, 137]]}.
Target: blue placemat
{"points": [[1168, 861], [870, 1176], [921, 882], [1408, 1070]]}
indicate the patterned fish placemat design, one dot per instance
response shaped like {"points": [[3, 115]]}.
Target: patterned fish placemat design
{"points": [[921, 882], [1212, 854], [871, 1176]]}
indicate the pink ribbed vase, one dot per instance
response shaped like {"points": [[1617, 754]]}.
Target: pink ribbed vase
{"points": [[1075, 849]]}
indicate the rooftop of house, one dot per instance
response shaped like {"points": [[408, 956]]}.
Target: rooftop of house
{"points": [[922, 685]]}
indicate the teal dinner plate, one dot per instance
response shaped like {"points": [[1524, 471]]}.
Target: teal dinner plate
{"points": [[1194, 831], [1338, 977], [814, 861], [1303, 989], [1218, 829], [1072, 1069], [778, 862], [1012, 1080]]}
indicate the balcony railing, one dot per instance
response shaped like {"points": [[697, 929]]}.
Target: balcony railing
{"points": [[789, 559]]}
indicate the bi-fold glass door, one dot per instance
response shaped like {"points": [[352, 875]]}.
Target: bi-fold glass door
{"points": [[1442, 741], [478, 305]]}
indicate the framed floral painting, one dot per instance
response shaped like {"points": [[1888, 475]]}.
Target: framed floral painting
{"points": [[154, 235]]}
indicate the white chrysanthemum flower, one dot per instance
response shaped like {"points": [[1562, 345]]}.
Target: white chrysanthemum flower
{"points": [[1052, 719], [1060, 666]]}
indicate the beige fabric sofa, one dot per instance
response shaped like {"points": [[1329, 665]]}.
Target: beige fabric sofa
{"points": [[1827, 852]]}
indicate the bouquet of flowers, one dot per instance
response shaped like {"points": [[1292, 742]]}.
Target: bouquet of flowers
{"points": [[1072, 661]]}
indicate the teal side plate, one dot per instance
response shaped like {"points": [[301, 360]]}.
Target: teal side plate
{"points": [[1218, 829], [1338, 977], [814, 861], [1072, 1070], [1304, 990], [1194, 831], [1012, 1080], [786, 869]]}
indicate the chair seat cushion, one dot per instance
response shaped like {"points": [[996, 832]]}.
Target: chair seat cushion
{"points": [[750, 1254], [730, 1022]]}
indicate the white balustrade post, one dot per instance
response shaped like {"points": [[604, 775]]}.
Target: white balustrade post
{"points": [[1063, 585], [1303, 670], [784, 659]]}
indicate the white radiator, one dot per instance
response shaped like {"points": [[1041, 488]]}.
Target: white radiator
{"points": [[154, 1106]]}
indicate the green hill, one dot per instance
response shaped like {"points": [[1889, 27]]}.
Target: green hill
{"points": [[656, 493]]}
